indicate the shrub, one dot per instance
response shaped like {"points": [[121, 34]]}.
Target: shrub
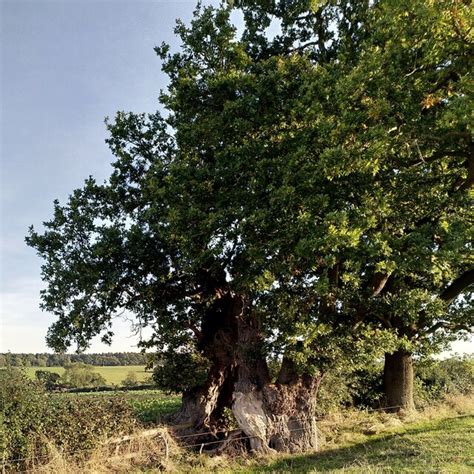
{"points": [[76, 423], [179, 372], [131, 380], [50, 380], [30, 418], [82, 375], [347, 387], [366, 386], [437, 378], [22, 409]]}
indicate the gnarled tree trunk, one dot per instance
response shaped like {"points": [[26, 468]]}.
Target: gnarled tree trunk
{"points": [[398, 381], [274, 416]]}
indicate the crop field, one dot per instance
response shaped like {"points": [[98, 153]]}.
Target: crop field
{"points": [[114, 375], [148, 405]]}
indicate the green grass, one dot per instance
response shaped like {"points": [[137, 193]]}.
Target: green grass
{"points": [[443, 446], [114, 375], [148, 406], [150, 409]]}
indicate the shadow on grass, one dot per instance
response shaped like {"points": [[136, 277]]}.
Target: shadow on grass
{"points": [[407, 448]]}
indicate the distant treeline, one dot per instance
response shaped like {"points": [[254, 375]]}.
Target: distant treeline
{"points": [[60, 360]]}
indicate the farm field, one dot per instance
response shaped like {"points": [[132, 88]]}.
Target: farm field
{"points": [[148, 405], [114, 375]]}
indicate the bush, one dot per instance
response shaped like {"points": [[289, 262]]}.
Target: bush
{"points": [[131, 380], [30, 418], [435, 379], [82, 375], [366, 386], [179, 372], [22, 409], [50, 380], [75, 423], [363, 388]]}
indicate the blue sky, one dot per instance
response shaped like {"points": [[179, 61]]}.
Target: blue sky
{"points": [[65, 65]]}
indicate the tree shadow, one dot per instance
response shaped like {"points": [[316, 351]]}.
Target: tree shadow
{"points": [[379, 451]]}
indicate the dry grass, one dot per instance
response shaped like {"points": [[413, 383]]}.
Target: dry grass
{"points": [[132, 455], [352, 425]]}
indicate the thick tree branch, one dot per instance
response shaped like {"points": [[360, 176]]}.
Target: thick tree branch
{"points": [[378, 282], [447, 325], [450, 293]]}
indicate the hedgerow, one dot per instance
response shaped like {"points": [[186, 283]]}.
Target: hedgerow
{"points": [[30, 418]]}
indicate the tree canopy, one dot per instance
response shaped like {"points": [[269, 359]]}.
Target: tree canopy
{"points": [[321, 174]]}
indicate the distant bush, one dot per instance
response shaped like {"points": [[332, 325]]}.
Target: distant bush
{"points": [[131, 380], [29, 418], [50, 380], [81, 375]]}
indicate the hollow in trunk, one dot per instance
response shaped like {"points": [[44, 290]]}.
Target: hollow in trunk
{"points": [[272, 416]]}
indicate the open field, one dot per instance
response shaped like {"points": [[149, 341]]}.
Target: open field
{"points": [[148, 405], [114, 375]]}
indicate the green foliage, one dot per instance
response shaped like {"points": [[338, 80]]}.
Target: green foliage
{"points": [[152, 409], [50, 380], [81, 375], [78, 423], [363, 387], [30, 418], [178, 372], [131, 380], [23, 405], [360, 387], [436, 379], [323, 174]]}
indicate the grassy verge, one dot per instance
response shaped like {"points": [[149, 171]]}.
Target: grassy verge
{"points": [[439, 439], [435, 446]]}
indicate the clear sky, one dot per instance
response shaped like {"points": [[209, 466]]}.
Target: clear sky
{"points": [[65, 65]]}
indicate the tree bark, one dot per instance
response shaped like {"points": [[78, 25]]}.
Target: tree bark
{"points": [[398, 381], [279, 416], [273, 416]]}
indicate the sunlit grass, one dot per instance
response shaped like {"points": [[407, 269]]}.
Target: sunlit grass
{"points": [[440, 446], [114, 375]]}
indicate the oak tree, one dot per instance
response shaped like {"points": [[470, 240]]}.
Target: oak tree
{"points": [[305, 196]]}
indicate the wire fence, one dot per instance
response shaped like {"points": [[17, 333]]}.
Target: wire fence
{"points": [[200, 445]]}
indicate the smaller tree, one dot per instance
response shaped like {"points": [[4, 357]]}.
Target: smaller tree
{"points": [[180, 372], [81, 375], [131, 380]]}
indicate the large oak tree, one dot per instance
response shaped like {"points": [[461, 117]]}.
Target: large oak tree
{"points": [[305, 195]]}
